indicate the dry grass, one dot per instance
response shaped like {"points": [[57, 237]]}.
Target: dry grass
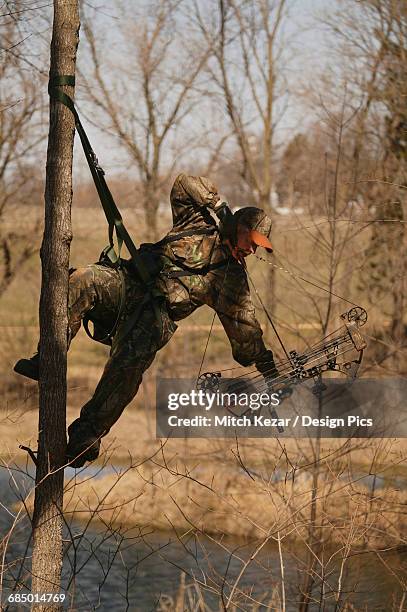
{"points": [[201, 484], [226, 503], [211, 495]]}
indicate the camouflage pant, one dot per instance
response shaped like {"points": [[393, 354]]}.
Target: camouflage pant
{"points": [[97, 289]]}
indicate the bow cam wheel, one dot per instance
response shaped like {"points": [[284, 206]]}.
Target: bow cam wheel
{"points": [[358, 315], [208, 381]]}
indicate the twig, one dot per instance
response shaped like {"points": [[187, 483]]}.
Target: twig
{"points": [[31, 453]]}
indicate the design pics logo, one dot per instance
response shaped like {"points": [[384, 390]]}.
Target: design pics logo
{"points": [[206, 401]]}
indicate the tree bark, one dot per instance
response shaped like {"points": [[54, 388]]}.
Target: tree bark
{"points": [[47, 519]]}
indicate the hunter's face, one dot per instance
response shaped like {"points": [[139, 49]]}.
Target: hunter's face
{"points": [[245, 245]]}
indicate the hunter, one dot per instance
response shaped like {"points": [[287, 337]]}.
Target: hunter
{"points": [[196, 263]]}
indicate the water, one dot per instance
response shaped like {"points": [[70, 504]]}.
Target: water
{"points": [[132, 570]]}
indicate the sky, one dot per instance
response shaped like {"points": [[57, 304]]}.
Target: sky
{"points": [[305, 43]]}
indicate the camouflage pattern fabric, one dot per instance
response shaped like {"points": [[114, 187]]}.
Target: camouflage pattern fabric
{"points": [[97, 288], [225, 289]]}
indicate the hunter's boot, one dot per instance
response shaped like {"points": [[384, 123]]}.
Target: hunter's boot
{"points": [[29, 367], [83, 445]]}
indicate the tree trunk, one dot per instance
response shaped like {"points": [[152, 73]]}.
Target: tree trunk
{"points": [[264, 202], [47, 519], [151, 204], [314, 532]]}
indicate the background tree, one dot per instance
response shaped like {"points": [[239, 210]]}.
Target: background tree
{"points": [[387, 265], [20, 134], [295, 169], [371, 38], [246, 71], [144, 105]]}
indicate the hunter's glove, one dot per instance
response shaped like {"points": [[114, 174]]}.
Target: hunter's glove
{"points": [[267, 366]]}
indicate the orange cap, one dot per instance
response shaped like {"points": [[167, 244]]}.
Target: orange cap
{"points": [[261, 240]]}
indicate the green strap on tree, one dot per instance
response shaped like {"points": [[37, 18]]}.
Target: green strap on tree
{"points": [[111, 211]]}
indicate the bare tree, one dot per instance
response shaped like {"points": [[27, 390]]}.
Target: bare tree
{"points": [[145, 105], [20, 133], [364, 36], [246, 70], [246, 73], [47, 518], [371, 38]]}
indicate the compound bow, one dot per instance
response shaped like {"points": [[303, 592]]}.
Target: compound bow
{"points": [[332, 353]]}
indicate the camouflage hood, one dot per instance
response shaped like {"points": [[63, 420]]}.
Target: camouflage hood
{"points": [[191, 197], [198, 189]]}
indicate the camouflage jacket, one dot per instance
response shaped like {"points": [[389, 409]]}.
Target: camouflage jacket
{"points": [[198, 269]]}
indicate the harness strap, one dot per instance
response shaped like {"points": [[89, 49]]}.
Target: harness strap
{"points": [[186, 271], [192, 232], [111, 211], [88, 316]]}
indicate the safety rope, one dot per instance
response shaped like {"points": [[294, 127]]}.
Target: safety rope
{"points": [[112, 213]]}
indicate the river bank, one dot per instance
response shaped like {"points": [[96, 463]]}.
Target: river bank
{"points": [[251, 488], [181, 509]]}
